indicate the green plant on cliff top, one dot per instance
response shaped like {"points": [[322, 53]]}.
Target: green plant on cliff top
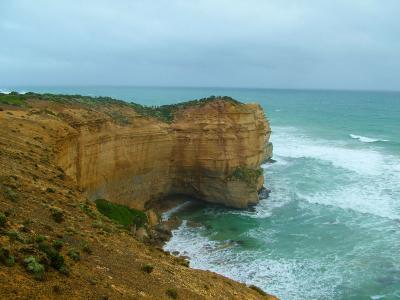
{"points": [[13, 98], [247, 175], [164, 113], [124, 215]]}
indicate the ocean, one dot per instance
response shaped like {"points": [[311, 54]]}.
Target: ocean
{"points": [[331, 226]]}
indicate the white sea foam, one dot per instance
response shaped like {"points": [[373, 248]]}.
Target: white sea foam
{"points": [[289, 142], [371, 177], [4, 91], [366, 139], [166, 215], [288, 279]]}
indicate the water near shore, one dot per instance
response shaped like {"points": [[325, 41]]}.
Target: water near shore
{"points": [[331, 227]]}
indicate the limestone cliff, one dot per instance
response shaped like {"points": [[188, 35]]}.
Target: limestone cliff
{"points": [[211, 150]]}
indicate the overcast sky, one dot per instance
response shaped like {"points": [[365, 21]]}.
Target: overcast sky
{"points": [[254, 43]]}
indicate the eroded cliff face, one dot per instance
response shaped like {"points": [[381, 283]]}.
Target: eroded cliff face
{"points": [[210, 151], [211, 143]]}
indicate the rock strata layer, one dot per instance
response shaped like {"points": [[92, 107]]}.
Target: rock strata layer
{"points": [[210, 151]]}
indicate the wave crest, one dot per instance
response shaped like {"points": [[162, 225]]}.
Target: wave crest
{"points": [[366, 139]]}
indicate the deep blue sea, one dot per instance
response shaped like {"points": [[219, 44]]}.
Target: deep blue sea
{"points": [[331, 226]]}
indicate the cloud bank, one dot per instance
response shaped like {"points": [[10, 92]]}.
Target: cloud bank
{"points": [[255, 43]]}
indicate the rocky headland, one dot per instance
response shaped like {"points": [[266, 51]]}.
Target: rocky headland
{"points": [[60, 154]]}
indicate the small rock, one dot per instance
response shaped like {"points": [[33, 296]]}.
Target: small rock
{"points": [[141, 234], [152, 218]]}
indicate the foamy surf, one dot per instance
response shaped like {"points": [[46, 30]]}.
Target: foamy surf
{"points": [[366, 139], [362, 179], [4, 91], [293, 143], [289, 279], [166, 215]]}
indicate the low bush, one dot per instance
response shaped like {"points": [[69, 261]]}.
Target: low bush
{"points": [[122, 214], [247, 175], [148, 268], [34, 267], [58, 244], [10, 194], [6, 258], [85, 207], [86, 248], [164, 113], [57, 261], [172, 293], [13, 98], [15, 236], [74, 254], [50, 190], [100, 225], [57, 214], [40, 238], [3, 220]]}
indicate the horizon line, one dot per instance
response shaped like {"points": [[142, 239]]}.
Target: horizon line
{"points": [[202, 87]]}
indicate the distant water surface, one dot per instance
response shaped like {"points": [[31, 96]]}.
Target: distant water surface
{"points": [[331, 227]]}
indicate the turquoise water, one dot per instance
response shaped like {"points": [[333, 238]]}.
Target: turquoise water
{"points": [[331, 227]]}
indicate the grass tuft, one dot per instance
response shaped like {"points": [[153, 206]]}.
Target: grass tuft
{"points": [[172, 293], [122, 214]]}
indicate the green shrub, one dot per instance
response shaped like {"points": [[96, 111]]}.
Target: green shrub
{"points": [[64, 270], [10, 194], [9, 261], [86, 248], [3, 220], [247, 175], [164, 113], [6, 258], [56, 259], [70, 230], [99, 224], [124, 215], [32, 266], [58, 244], [14, 236], [74, 254], [13, 98], [57, 214], [87, 210], [40, 238], [50, 190], [172, 293], [148, 268]]}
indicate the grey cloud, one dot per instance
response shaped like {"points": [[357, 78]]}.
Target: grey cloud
{"points": [[255, 43]]}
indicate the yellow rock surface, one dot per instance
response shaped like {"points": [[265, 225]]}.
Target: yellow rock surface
{"points": [[147, 159]]}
